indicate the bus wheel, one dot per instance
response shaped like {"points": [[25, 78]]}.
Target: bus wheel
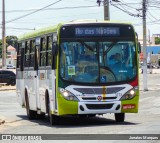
{"points": [[54, 120], [30, 113], [119, 117], [41, 116]]}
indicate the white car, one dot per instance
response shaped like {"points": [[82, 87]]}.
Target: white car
{"points": [[10, 67]]}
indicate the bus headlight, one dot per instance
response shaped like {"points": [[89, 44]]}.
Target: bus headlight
{"points": [[68, 95], [129, 95]]}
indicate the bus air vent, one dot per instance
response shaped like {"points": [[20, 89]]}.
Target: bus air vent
{"points": [[99, 106]]}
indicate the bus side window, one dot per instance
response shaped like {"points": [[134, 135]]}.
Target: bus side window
{"points": [[27, 51], [19, 55], [49, 51], [32, 52], [43, 52]]}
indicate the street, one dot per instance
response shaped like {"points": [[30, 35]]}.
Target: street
{"points": [[145, 122]]}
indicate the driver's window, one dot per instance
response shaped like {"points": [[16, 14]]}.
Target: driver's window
{"points": [[78, 60]]}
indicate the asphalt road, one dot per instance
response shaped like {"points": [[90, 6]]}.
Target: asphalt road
{"points": [[145, 122]]}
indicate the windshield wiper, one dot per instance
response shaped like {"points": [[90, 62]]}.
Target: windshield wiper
{"points": [[87, 46], [110, 47]]}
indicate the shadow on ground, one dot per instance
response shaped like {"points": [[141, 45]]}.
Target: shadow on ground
{"points": [[71, 122]]}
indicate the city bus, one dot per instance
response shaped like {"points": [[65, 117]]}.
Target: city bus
{"points": [[79, 69]]}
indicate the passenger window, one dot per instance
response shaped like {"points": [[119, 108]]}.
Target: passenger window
{"points": [[43, 52], [19, 55], [32, 53], [49, 51], [43, 42], [27, 52]]}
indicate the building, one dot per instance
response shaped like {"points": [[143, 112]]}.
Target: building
{"points": [[152, 50], [11, 56]]}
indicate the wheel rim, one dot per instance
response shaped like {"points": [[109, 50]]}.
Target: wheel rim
{"points": [[12, 82]]}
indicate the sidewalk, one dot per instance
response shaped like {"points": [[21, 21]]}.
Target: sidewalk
{"points": [[5, 87], [153, 82], [154, 71]]}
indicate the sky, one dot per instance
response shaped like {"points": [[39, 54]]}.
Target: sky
{"points": [[68, 10]]}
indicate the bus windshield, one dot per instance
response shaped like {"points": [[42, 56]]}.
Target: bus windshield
{"points": [[97, 61]]}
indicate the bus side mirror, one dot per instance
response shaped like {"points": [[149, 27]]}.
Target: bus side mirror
{"points": [[139, 47]]}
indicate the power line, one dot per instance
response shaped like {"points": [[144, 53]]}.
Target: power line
{"points": [[33, 12], [152, 15], [20, 28], [155, 6], [129, 13], [148, 23], [60, 8], [127, 5], [64, 16]]}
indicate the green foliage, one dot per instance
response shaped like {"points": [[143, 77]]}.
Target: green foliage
{"points": [[157, 40], [10, 40]]}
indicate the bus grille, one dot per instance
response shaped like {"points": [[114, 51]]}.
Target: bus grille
{"points": [[89, 98], [94, 98], [109, 98], [109, 90], [99, 106]]}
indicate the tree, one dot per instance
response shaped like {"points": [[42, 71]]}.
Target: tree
{"points": [[11, 40], [157, 40]]}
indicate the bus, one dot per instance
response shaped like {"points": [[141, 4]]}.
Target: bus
{"points": [[79, 68]]}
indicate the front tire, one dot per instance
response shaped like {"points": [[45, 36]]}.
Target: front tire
{"points": [[41, 116], [30, 113], [53, 119], [119, 117]]}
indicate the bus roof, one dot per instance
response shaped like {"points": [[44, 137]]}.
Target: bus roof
{"points": [[51, 29], [38, 32]]}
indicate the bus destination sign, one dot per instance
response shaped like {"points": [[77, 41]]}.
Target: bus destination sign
{"points": [[97, 31]]}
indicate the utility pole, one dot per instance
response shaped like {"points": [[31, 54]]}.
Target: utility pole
{"points": [[3, 36], [106, 10], [144, 48]]}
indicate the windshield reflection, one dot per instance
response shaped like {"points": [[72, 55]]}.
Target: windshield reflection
{"points": [[97, 62]]}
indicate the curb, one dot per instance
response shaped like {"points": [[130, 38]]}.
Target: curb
{"points": [[6, 89]]}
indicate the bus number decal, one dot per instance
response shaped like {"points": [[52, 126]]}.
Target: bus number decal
{"points": [[118, 94]]}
